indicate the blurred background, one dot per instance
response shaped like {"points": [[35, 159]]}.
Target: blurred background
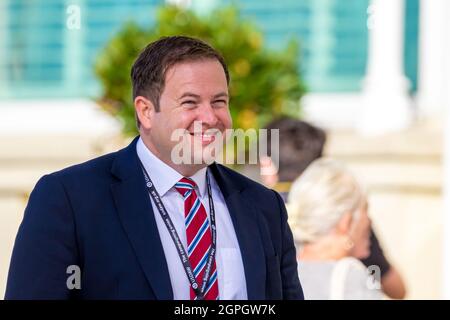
{"points": [[373, 73]]}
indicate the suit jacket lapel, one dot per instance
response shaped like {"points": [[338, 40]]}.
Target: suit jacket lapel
{"points": [[137, 217], [245, 222]]}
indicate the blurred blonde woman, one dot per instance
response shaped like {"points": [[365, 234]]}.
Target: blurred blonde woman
{"points": [[328, 216]]}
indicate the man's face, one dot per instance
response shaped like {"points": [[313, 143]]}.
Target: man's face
{"points": [[194, 91]]}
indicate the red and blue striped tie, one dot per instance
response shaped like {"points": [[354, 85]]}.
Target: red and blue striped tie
{"points": [[198, 234]]}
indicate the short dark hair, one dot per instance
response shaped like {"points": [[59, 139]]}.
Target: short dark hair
{"points": [[148, 72], [300, 144]]}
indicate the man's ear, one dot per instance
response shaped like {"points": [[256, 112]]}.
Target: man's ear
{"points": [[345, 223], [145, 111]]}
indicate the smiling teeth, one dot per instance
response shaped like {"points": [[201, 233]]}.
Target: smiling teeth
{"points": [[205, 137]]}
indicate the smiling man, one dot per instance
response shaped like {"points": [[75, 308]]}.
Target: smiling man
{"points": [[137, 224]]}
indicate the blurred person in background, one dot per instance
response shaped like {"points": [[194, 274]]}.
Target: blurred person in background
{"points": [[328, 215], [300, 144]]}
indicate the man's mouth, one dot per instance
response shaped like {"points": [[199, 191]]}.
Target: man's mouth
{"points": [[205, 138]]}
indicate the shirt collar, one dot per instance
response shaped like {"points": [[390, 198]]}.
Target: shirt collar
{"points": [[200, 179], [163, 176]]}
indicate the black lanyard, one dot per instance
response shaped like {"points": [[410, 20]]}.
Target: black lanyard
{"points": [[199, 292]]}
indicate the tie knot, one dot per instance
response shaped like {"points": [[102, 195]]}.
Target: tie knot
{"points": [[185, 185]]}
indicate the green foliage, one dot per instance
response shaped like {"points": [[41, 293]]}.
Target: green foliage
{"points": [[264, 83]]}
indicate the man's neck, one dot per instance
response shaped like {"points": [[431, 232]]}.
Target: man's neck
{"points": [[186, 170]]}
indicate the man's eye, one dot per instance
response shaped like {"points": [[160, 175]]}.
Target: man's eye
{"points": [[189, 103], [220, 103]]}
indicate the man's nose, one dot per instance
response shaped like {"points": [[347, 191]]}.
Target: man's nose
{"points": [[207, 115]]}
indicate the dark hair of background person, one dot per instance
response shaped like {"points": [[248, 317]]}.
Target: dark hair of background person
{"points": [[300, 144]]}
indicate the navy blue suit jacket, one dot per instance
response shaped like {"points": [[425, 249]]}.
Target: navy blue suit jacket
{"points": [[98, 216]]}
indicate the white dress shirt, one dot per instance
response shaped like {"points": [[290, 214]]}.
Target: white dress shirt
{"points": [[230, 268]]}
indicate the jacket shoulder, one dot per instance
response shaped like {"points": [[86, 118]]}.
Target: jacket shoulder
{"points": [[247, 183], [97, 167]]}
